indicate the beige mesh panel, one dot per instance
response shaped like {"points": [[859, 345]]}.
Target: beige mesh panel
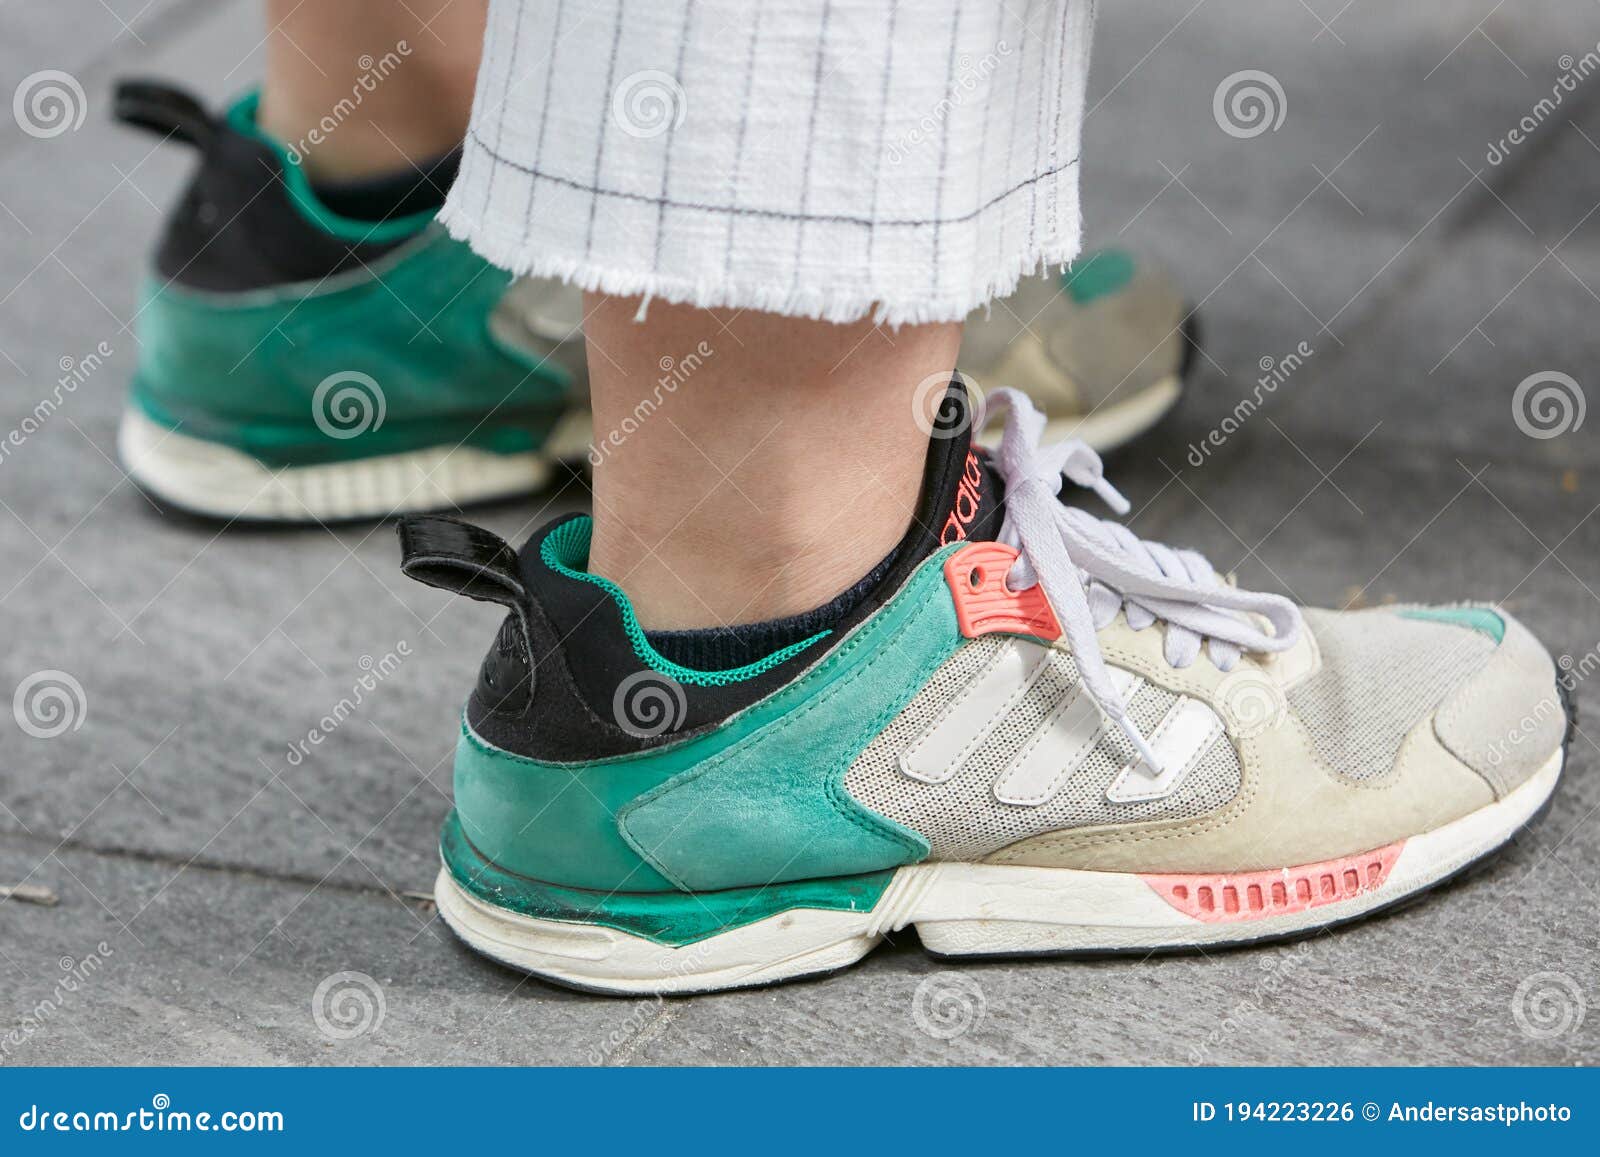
{"points": [[961, 818], [1381, 674]]}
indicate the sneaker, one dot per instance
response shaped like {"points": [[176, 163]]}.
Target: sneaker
{"points": [[1038, 735], [1105, 349], [300, 364]]}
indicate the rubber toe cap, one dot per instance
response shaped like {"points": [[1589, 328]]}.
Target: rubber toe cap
{"points": [[1507, 719]]}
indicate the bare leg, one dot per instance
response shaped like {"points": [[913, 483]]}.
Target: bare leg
{"points": [[772, 465], [318, 52]]}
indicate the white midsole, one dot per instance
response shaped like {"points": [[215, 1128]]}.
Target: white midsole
{"points": [[210, 478], [958, 909]]}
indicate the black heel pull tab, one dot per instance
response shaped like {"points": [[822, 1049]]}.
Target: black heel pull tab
{"points": [[163, 110], [459, 557]]}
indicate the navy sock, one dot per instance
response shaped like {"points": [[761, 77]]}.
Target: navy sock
{"points": [[722, 648], [398, 194]]}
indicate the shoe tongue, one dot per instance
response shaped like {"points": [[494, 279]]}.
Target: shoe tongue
{"points": [[961, 491]]}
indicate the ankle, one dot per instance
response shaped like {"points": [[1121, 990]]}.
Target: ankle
{"points": [[766, 476], [698, 578], [351, 151]]}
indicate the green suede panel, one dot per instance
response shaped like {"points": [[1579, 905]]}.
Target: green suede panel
{"points": [[773, 807], [243, 369], [552, 821], [758, 800], [673, 918], [1473, 618], [1097, 274]]}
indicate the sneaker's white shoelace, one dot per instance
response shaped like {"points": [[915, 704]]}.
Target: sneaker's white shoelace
{"points": [[1092, 568]]}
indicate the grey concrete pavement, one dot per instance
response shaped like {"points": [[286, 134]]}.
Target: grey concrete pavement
{"points": [[228, 882]]}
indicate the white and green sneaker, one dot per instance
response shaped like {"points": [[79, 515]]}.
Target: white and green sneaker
{"points": [[1040, 734], [297, 364]]}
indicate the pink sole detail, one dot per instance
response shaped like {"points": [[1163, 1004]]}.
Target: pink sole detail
{"points": [[1218, 899]]}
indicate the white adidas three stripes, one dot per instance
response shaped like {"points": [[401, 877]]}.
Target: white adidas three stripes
{"points": [[1063, 743]]}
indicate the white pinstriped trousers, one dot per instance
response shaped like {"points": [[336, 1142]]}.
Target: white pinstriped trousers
{"points": [[832, 159]]}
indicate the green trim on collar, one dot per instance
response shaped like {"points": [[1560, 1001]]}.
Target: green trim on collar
{"points": [[242, 119], [565, 550]]}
